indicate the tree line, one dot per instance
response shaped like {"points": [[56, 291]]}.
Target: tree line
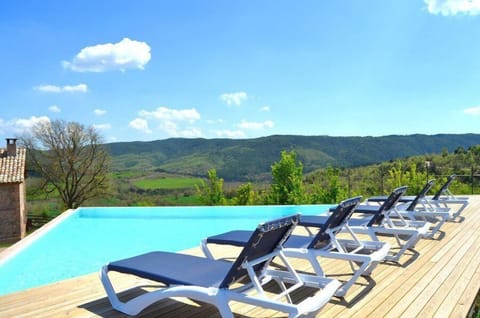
{"points": [[331, 185]]}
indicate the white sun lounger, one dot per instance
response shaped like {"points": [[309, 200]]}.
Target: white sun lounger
{"points": [[363, 256], [211, 281]]}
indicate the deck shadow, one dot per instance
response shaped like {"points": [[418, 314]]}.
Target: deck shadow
{"points": [[363, 288], [404, 263], [168, 307], [174, 307]]}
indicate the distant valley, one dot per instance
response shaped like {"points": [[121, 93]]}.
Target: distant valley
{"points": [[251, 159]]}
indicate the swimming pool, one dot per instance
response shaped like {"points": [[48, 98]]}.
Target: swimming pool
{"points": [[85, 239]]}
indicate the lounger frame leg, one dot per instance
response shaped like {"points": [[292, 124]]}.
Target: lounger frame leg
{"points": [[460, 210], [403, 248], [414, 237], [205, 250], [134, 306]]}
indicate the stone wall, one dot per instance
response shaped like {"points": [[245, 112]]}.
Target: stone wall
{"points": [[12, 212]]}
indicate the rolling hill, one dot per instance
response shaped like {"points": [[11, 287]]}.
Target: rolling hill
{"points": [[251, 159]]}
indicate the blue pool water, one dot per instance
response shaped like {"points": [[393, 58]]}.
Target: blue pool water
{"points": [[91, 237]]}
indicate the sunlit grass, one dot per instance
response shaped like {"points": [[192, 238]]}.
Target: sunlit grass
{"points": [[183, 200]]}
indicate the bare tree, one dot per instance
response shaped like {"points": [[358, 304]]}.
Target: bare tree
{"points": [[70, 159]]}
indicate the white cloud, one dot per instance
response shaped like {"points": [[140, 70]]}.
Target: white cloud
{"points": [[173, 122], [190, 133], [230, 133], [99, 112], [102, 126], [76, 88], [172, 129], [20, 126], [472, 111], [169, 127], [164, 113], [126, 54], [256, 125], [54, 109], [141, 125], [234, 98], [265, 109], [80, 88], [215, 121], [28, 123], [48, 88], [453, 7]]}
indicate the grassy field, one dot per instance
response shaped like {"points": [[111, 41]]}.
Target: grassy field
{"points": [[167, 183]]}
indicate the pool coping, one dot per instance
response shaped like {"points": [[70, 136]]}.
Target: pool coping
{"points": [[17, 247]]}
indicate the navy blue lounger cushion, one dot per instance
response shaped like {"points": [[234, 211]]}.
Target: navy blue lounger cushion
{"points": [[174, 269], [235, 238]]}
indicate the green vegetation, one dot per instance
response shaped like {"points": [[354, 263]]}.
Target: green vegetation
{"points": [[124, 174], [329, 188], [287, 183], [211, 192], [245, 195], [415, 171], [168, 183], [183, 200], [5, 245], [475, 311]]}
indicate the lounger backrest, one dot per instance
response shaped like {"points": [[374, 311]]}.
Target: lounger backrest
{"points": [[421, 195], [391, 201], [444, 187], [264, 240], [339, 217]]}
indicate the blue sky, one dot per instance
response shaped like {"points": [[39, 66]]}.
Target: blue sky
{"points": [[147, 70]]}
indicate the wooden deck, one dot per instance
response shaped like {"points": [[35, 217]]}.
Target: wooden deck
{"points": [[441, 280]]}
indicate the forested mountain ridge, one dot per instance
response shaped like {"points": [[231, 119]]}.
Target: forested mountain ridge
{"points": [[251, 159]]}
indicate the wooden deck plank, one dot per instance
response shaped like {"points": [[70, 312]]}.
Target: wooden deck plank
{"points": [[432, 283], [445, 288], [465, 302], [414, 299], [455, 287], [393, 288], [374, 305], [442, 281]]}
